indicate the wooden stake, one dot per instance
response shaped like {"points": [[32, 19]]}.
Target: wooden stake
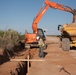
{"points": [[28, 60]]}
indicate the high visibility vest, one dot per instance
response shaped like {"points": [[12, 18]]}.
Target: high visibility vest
{"points": [[42, 45]]}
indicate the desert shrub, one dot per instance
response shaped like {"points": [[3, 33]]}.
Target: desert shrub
{"points": [[8, 38], [1, 33], [21, 37]]}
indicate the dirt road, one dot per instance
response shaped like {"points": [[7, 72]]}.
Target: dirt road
{"points": [[57, 61]]}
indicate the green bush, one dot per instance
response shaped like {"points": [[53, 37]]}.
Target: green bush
{"points": [[8, 38]]}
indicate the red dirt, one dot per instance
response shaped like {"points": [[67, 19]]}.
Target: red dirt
{"points": [[9, 66], [57, 61]]}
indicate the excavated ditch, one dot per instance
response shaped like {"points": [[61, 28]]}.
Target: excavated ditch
{"points": [[21, 69], [14, 68]]}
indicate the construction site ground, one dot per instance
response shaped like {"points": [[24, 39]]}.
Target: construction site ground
{"points": [[56, 61]]}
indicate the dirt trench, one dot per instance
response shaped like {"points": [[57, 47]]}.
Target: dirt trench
{"points": [[57, 61], [8, 67]]}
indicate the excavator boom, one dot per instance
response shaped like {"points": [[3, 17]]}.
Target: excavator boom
{"points": [[38, 17], [52, 5]]}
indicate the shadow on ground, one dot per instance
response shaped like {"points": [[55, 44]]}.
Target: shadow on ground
{"points": [[73, 48]]}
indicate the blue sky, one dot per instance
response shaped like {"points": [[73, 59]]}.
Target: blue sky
{"points": [[19, 15]]}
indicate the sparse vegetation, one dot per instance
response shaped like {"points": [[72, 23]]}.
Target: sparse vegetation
{"points": [[9, 38]]}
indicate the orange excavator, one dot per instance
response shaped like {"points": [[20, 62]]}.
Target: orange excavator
{"points": [[31, 38]]}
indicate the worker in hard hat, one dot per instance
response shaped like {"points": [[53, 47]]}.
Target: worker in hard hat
{"points": [[41, 47]]}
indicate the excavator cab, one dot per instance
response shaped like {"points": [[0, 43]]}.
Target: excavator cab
{"points": [[41, 33], [31, 38]]}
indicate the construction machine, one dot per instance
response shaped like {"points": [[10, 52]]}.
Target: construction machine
{"points": [[68, 36], [31, 38]]}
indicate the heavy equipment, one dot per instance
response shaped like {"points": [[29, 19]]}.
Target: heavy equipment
{"points": [[31, 38], [68, 34]]}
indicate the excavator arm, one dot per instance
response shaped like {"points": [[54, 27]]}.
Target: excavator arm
{"points": [[52, 5], [38, 17]]}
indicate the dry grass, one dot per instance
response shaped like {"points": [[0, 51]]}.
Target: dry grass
{"points": [[8, 39]]}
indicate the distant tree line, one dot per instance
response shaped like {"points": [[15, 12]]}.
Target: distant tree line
{"points": [[53, 35]]}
